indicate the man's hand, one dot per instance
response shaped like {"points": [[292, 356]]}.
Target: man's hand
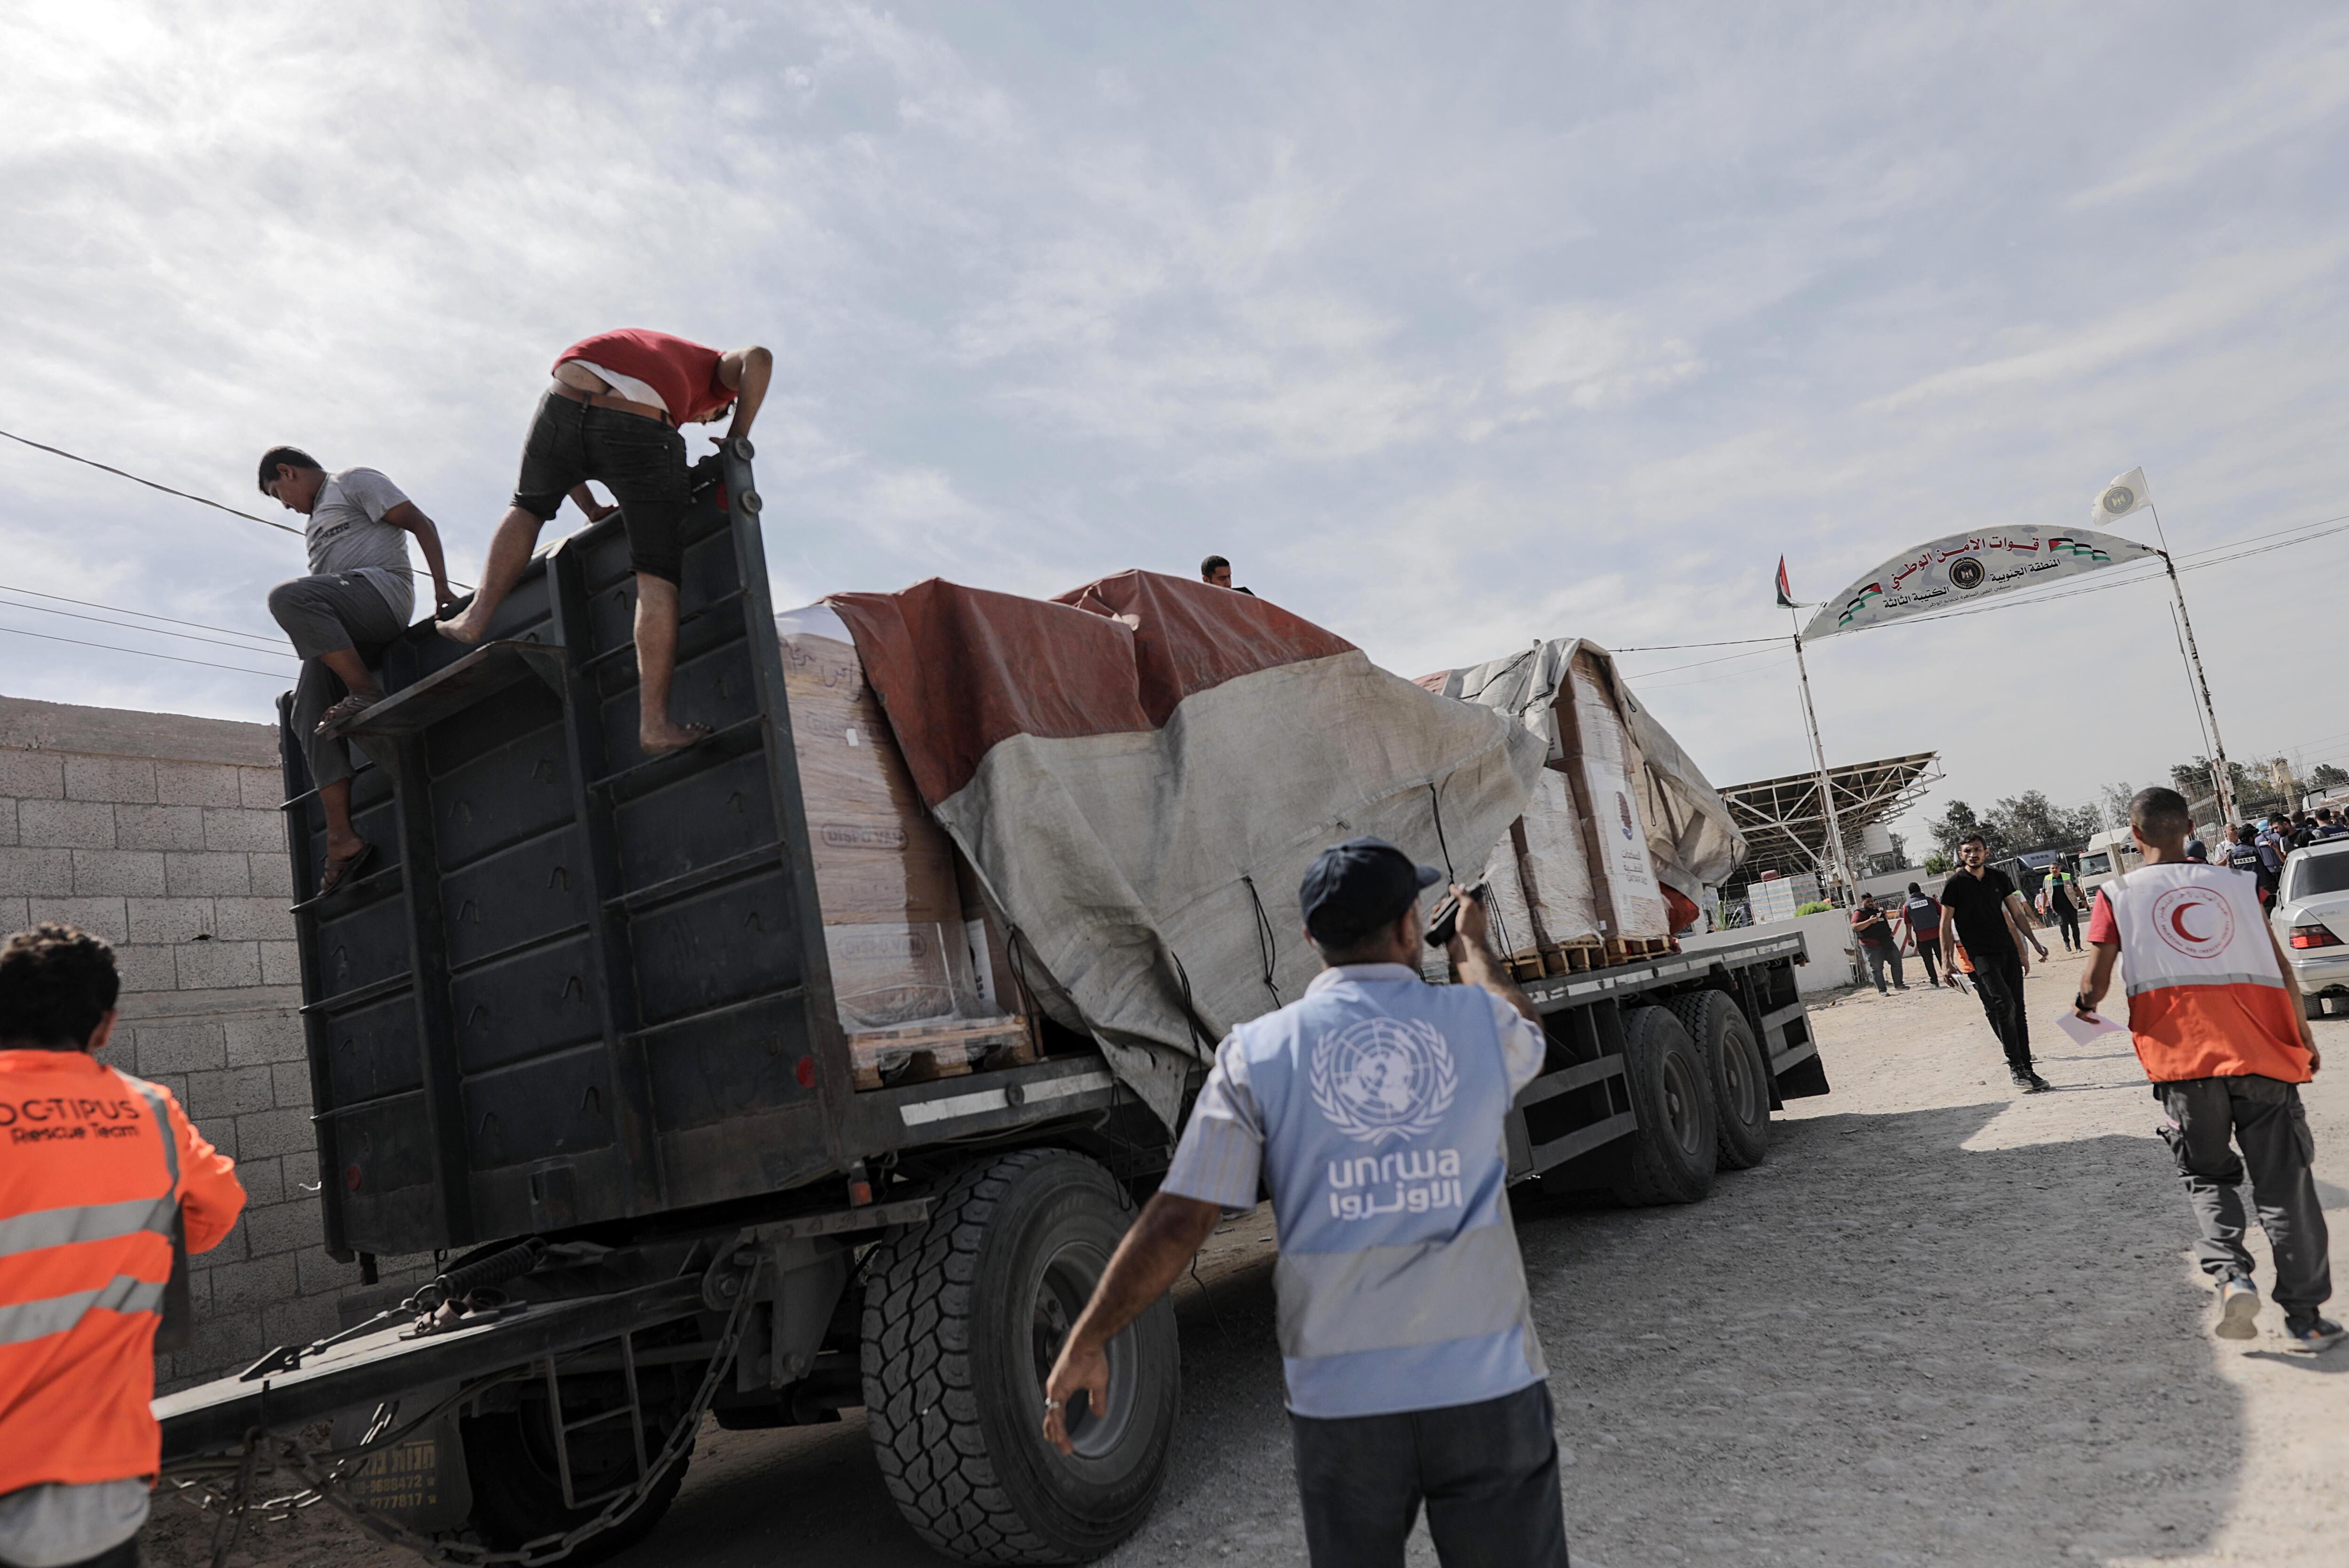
{"points": [[1472, 925], [443, 596], [1081, 1366]]}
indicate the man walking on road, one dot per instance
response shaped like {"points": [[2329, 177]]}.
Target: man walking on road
{"points": [[1987, 915], [1876, 944], [1371, 1107], [1924, 917], [100, 1177], [2216, 1015], [2063, 908], [612, 414]]}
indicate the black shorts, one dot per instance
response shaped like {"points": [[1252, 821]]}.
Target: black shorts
{"points": [[641, 461]]}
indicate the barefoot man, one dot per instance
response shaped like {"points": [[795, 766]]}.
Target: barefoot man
{"points": [[613, 415]]}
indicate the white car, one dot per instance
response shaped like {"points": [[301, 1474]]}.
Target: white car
{"points": [[2312, 921]]}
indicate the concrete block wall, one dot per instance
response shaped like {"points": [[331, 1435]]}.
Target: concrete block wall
{"points": [[162, 834]]}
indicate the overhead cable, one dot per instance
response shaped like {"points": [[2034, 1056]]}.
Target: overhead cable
{"points": [[115, 648], [150, 484], [150, 631], [142, 615]]}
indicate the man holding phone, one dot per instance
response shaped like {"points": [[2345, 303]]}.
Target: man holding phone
{"points": [[1371, 1107]]}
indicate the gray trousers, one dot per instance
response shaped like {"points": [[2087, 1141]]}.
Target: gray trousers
{"points": [[2264, 1117], [1879, 959], [324, 615]]}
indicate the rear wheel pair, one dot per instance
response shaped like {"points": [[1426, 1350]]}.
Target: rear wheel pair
{"points": [[1702, 1093]]}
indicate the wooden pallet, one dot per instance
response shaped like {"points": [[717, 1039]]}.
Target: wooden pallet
{"points": [[1631, 949], [949, 1049]]}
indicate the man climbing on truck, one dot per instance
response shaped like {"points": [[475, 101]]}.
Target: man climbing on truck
{"points": [[1371, 1107], [357, 597], [614, 415]]}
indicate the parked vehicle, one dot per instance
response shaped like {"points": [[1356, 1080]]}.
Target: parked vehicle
{"points": [[2108, 855], [2312, 912], [577, 1031]]}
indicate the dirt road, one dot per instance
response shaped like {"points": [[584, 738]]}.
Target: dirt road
{"points": [[1944, 1323]]}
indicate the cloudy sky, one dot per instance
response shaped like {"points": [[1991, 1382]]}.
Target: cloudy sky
{"points": [[1454, 327]]}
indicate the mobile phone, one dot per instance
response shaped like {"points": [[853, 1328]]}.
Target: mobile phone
{"points": [[1444, 921]]}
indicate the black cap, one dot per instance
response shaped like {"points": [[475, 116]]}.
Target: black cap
{"points": [[1353, 889]]}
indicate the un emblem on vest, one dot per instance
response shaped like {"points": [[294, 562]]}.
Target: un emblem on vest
{"points": [[1383, 1078], [2195, 921]]}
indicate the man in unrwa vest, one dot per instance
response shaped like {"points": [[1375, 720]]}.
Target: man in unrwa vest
{"points": [[613, 414], [1371, 1110], [98, 1173], [2220, 1025]]}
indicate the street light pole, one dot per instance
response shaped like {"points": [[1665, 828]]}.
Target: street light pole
{"points": [[2220, 782], [1826, 786]]}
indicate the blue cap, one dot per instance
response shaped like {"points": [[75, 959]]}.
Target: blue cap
{"points": [[1353, 889]]}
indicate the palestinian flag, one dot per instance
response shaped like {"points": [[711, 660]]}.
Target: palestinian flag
{"points": [[1785, 593]]}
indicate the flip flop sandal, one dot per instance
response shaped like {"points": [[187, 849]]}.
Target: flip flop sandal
{"points": [[342, 870], [700, 732], [350, 708]]}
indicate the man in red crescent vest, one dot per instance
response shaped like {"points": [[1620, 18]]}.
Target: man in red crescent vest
{"points": [[614, 415], [98, 1173], [2216, 1017]]}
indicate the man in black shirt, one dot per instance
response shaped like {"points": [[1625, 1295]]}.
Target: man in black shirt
{"points": [[1988, 916]]}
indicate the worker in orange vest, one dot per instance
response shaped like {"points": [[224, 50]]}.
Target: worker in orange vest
{"points": [[2216, 1015], [101, 1178]]}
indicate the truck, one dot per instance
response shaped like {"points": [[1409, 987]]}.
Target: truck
{"points": [[573, 1044]]}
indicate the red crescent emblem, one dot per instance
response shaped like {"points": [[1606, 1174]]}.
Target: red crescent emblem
{"points": [[2210, 908]]}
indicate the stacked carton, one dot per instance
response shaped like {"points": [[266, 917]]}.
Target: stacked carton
{"points": [[1603, 768], [918, 968]]}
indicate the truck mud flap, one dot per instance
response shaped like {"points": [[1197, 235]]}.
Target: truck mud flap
{"points": [[1795, 1070]]}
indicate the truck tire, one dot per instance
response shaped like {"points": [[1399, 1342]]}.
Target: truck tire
{"points": [[518, 1494], [963, 1317], [1674, 1154], [1740, 1079]]}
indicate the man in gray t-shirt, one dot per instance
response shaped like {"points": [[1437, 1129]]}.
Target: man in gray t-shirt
{"points": [[357, 597]]}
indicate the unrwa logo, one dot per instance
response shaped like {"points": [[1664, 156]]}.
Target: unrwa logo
{"points": [[1378, 1078]]}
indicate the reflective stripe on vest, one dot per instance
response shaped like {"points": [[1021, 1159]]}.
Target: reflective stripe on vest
{"points": [[85, 1223], [59, 1314], [2184, 923]]}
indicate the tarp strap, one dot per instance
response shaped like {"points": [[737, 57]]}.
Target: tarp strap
{"points": [[1267, 946], [1435, 803]]}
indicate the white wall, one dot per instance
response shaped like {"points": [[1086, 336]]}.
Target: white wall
{"points": [[1827, 936]]}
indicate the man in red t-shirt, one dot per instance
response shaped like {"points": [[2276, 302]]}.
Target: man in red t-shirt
{"points": [[2216, 1015], [614, 415]]}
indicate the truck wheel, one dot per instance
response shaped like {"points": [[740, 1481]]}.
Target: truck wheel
{"points": [[1674, 1152], [518, 1491], [1741, 1080], [963, 1317]]}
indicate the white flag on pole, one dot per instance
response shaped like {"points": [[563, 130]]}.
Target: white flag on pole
{"points": [[2120, 498]]}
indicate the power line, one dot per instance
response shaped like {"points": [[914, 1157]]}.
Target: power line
{"points": [[1751, 654], [150, 484], [150, 631], [142, 615], [115, 648], [1670, 647]]}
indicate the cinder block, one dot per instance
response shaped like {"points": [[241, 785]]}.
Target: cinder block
{"points": [[66, 824], [196, 875], [32, 775], [146, 968], [280, 964], [197, 784], [259, 1037], [228, 1091], [9, 839], [239, 830], [37, 872], [170, 918], [320, 1275], [267, 1132], [283, 1228], [176, 1083], [260, 788], [246, 1287], [264, 1182], [179, 1048], [99, 916], [264, 917], [290, 1088], [158, 827], [272, 875], [299, 1321], [131, 778], [15, 914], [223, 1343], [131, 873], [217, 965]]}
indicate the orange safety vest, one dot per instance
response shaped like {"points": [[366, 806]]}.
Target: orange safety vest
{"points": [[2206, 996], [95, 1167]]}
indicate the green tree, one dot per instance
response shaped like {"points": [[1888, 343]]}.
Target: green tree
{"points": [[2327, 777], [2193, 780], [1939, 864], [2115, 798], [2029, 821], [1955, 823]]}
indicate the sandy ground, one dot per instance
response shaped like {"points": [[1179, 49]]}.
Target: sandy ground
{"points": [[1943, 1324]]}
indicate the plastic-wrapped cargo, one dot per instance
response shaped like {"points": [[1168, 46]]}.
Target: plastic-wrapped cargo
{"points": [[1540, 898], [1649, 828], [913, 970]]}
